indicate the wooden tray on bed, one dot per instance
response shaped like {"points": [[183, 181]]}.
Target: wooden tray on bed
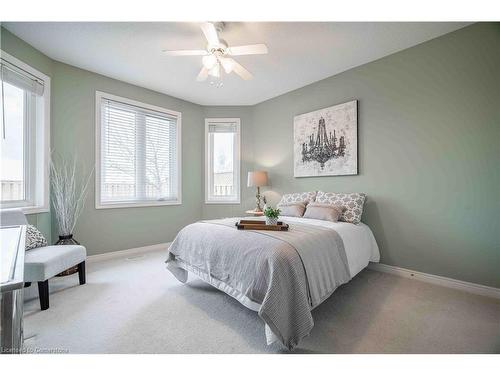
{"points": [[260, 225]]}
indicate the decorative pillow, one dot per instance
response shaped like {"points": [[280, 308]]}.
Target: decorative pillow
{"points": [[323, 211], [305, 197], [34, 238], [292, 209], [351, 202]]}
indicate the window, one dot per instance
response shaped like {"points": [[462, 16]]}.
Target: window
{"points": [[24, 110], [222, 160], [138, 153]]}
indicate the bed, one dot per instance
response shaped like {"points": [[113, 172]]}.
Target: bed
{"points": [[281, 275]]}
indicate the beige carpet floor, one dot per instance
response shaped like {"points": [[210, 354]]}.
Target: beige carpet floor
{"points": [[137, 306]]}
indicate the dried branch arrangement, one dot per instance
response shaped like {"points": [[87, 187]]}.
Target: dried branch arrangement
{"points": [[68, 194]]}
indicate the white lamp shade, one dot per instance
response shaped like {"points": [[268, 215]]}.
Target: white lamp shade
{"points": [[257, 178]]}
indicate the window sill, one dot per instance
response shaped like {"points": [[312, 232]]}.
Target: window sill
{"points": [[35, 210], [28, 210], [222, 202], [100, 206]]}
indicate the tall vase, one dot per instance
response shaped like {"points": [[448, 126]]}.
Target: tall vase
{"points": [[67, 240]]}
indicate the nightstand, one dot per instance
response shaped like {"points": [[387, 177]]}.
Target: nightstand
{"points": [[255, 213]]}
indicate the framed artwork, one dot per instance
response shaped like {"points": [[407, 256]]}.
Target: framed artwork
{"points": [[326, 141]]}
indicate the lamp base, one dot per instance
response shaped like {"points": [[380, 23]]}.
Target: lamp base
{"points": [[257, 200]]}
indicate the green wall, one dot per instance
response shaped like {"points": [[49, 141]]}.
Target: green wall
{"points": [[429, 141], [24, 52]]}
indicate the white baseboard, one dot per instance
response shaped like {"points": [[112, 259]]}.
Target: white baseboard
{"points": [[127, 252], [482, 290]]}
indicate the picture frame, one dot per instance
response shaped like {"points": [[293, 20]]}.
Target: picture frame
{"points": [[326, 141]]}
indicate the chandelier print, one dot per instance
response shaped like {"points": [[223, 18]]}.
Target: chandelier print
{"points": [[325, 141], [322, 146]]}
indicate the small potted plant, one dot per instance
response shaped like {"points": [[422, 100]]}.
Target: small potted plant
{"points": [[272, 215]]}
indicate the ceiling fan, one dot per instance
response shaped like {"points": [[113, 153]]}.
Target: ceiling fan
{"points": [[217, 54]]}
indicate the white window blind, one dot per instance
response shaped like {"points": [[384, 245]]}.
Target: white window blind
{"points": [[222, 177], [138, 154], [20, 78], [25, 102]]}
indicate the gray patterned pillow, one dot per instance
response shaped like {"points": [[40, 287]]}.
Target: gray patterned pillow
{"points": [[352, 202], [34, 238], [305, 197]]}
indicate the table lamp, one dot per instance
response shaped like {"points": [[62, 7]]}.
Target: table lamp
{"points": [[257, 179]]}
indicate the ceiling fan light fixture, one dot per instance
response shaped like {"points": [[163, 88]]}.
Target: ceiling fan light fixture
{"points": [[209, 61], [215, 71], [218, 55], [227, 64]]}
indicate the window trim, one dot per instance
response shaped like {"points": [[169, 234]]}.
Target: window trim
{"points": [[238, 164], [99, 95], [40, 187]]}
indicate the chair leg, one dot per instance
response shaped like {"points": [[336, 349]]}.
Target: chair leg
{"points": [[43, 293], [81, 272]]}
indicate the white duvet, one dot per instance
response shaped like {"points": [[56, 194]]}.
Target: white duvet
{"points": [[359, 242]]}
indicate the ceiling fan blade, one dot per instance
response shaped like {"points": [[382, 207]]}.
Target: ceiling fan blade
{"points": [[202, 75], [210, 32], [186, 52], [251, 49], [241, 71]]}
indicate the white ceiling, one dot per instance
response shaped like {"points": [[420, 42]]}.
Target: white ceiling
{"points": [[299, 53]]}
